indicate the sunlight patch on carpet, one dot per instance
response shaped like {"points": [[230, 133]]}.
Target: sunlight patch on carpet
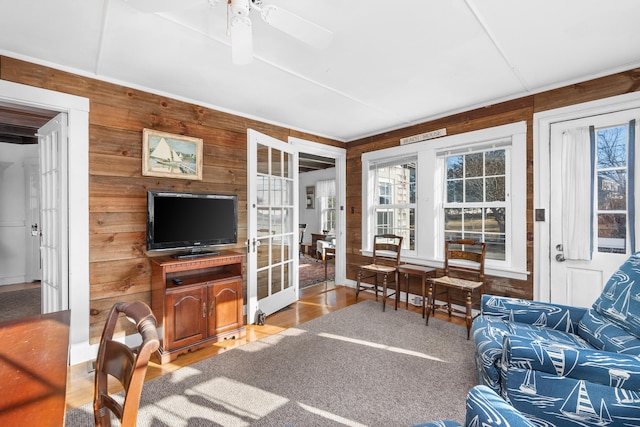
{"points": [[228, 402], [271, 340], [330, 416], [382, 347]]}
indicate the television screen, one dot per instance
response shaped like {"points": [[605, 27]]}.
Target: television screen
{"points": [[192, 221]]}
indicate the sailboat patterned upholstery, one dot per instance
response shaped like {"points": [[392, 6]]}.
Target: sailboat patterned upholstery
{"points": [[563, 365]]}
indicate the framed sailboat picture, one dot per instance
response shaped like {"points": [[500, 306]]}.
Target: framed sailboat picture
{"points": [[171, 156]]}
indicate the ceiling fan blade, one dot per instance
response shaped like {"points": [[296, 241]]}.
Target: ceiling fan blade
{"points": [[241, 40], [296, 26], [162, 5]]}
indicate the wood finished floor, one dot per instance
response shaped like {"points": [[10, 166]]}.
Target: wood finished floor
{"points": [[315, 301]]}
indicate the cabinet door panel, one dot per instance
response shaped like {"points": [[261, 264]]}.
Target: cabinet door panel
{"points": [[223, 299], [186, 321]]}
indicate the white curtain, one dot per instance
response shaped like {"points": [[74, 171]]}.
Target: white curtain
{"points": [[325, 189], [576, 194]]}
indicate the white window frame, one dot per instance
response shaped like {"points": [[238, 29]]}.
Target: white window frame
{"points": [[429, 244], [376, 206], [506, 204]]}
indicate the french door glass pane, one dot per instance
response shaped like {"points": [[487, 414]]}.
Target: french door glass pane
{"points": [[262, 156]]}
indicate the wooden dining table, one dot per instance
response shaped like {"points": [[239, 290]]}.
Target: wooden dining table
{"points": [[34, 354]]}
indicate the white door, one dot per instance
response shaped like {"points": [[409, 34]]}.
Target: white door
{"points": [[52, 139], [272, 261], [611, 215], [32, 215]]}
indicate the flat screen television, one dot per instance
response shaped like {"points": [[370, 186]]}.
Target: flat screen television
{"points": [[190, 222]]}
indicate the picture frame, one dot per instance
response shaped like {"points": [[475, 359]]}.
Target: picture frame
{"points": [[311, 197], [169, 155]]}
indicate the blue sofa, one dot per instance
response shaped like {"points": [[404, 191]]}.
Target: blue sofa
{"points": [[485, 408], [566, 365]]}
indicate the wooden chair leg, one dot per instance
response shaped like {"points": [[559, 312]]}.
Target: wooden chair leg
{"points": [[358, 284], [375, 286], [384, 291], [429, 302], [468, 316]]}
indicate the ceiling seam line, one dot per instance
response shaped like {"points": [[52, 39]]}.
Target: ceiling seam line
{"points": [[103, 26], [494, 41]]}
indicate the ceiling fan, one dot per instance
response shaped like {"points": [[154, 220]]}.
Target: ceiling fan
{"points": [[239, 26]]}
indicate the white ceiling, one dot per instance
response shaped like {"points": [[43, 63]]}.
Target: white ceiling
{"points": [[390, 64]]}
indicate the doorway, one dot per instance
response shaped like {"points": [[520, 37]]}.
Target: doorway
{"points": [[318, 213], [77, 109], [558, 278], [19, 217], [335, 157]]}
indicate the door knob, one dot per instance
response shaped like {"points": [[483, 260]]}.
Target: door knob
{"points": [[560, 258]]}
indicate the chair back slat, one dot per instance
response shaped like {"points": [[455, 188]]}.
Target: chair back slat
{"points": [[386, 249], [126, 365], [465, 256]]}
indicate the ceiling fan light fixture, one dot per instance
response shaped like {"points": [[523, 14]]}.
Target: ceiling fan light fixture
{"points": [[239, 7], [241, 40]]}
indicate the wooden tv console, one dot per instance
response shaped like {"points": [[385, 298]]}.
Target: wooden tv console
{"points": [[196, 301]]}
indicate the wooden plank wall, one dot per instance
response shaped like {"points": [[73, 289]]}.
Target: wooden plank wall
{"points": [[119, 269], [494, 115]]}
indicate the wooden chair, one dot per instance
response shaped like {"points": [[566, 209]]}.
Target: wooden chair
{"points": [[464, 271], [386, 258], [126, 365]]}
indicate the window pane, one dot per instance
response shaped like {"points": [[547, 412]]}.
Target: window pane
{"points": [[454, 191], [612, 233], [494, 220], [495, 189], [612, 190], [276, 162], [473, 191], [496, 247], [473, 220], [454, 167], [612, 147], [494, 162], [474, 165], [384, 193], [453, 219], [451, 235]]}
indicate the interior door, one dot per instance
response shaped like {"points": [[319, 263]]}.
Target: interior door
{"points": [[53, 214], [580, 282], [272, 279]]}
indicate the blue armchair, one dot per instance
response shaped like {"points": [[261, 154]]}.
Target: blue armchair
{"points": [[566, 365], [485, 408]]}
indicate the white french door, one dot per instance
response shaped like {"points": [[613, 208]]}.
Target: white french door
{"points": [[580, 282], [52, 141], [272, 260]]}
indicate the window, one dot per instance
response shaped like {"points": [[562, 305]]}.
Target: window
{"points": [[326, 191], [396, 196], [612, 177], [329, 214], [467, 185], [476, 199]]}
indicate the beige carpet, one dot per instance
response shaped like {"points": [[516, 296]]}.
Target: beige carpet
{"points": [[355, 367]]}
